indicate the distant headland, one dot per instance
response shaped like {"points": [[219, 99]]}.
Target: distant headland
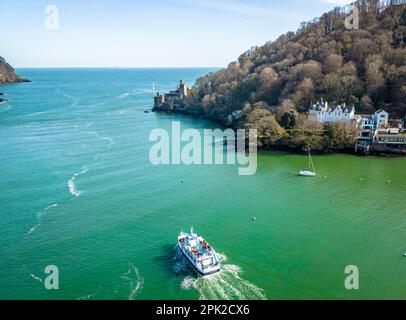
{"points": [[8, 74]]}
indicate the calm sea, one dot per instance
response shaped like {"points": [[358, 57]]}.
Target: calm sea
{"points": [[77, 191]]}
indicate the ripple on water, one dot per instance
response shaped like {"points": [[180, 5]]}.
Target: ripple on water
{"points": [[134, 281]]}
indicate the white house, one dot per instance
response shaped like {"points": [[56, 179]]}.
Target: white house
{"points": [[371, 123], [325, 113], [236, 115], [381, 118], [367, 123]]}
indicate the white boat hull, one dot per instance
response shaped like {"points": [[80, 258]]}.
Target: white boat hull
{"points": [[202, 272], [201, 256], [306, 173]]}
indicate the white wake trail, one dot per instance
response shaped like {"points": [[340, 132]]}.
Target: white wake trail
{"points": [[226, 285], [109, 140], [40, 215], [33, 229], [36, 278], [71, 183], [135, 282]]}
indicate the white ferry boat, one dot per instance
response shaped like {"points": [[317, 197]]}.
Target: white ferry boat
{"points": [[199, 253]]}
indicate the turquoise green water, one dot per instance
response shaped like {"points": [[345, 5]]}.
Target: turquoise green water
{"points": [[78, 191]]}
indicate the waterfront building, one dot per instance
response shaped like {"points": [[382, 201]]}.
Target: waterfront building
{"points": [[323, 112], [172, 100], [235, 116], [183, 89], [380, 134], [381, 118]]}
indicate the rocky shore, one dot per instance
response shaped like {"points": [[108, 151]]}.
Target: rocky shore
{"points": [[8, 74], [2, 100], [286, 146]]}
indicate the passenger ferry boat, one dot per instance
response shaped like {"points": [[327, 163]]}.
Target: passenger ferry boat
{"points": [[199, 253]]}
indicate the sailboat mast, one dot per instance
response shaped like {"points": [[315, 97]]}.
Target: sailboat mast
{"points": [[311, 164]]}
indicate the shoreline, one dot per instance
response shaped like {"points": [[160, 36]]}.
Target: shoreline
{"points": [[291, 149]]}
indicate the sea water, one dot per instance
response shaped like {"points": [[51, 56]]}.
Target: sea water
{"points": [[77, 190]]}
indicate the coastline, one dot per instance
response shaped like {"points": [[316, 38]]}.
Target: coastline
{"points": [[122, 185], [286, 147]]}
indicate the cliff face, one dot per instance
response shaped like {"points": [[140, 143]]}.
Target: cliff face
{"points": [[7, 73]]}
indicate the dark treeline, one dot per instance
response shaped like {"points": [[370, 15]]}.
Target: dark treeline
{"points": [[273, 84]]}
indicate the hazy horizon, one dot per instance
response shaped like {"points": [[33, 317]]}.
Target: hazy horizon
{"points": [[162, 34]]}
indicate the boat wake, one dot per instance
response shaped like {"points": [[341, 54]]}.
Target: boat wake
{"points": [[226, 285], [134, 282], [71, 183], [75, 100], [40, 215], [90, 296], [33, 229], [129, 285], [125, 94], [110, 141], [38, 279]]}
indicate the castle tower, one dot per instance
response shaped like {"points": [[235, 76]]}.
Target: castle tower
{"points": [[183, 89], [159, 100]]}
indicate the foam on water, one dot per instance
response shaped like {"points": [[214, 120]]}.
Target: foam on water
{"points": [[71, 183], [226, 285], [36, 278], [109, 140], [90, 296], [128, 285], [43, 212], [223, 258], [37, 113], [33, 229], [40, 215], [134, 281], [75, 100]]}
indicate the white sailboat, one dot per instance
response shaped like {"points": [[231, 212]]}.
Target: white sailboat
{"points": [[311, 172], [154, 88]]}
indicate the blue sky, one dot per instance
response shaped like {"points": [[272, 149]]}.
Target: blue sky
{"points": [[135, 33]]}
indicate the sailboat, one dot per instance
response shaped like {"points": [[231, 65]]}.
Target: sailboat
{"points": [[311, 172], [154, 88]]}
